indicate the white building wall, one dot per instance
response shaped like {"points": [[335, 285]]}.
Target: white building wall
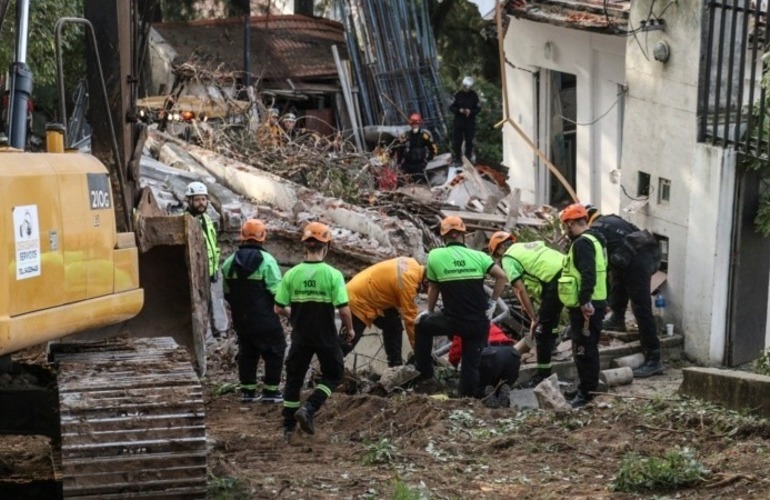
{"points": [[660, 139], [597, 61]]}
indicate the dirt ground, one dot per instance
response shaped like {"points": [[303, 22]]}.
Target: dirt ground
{"points": [[417, 446]]}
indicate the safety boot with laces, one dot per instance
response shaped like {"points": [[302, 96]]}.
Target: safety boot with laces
{"points": [[504, 396], [489, 399]]}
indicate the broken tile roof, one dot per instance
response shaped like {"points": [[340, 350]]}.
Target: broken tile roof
{"points": [[282, 47], [589, 15]]}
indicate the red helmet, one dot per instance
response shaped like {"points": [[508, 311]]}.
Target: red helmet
{"points": [[415, 118], [498, 238], [574, 212], [253, 229]]}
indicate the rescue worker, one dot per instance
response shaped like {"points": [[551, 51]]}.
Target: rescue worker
{"points": [[533, 269], [499, 367], [308, 295], [270, 133], [456, 273], [251, 279], [380, 295], [415, 149], [634, 256], [197, 203], [465, 108], [583, 291]]}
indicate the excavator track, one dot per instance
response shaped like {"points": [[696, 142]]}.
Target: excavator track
{"points": [[132, 420]]}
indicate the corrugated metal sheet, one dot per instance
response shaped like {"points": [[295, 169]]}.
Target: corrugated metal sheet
{"points": [[291, 46], [587, 15]]}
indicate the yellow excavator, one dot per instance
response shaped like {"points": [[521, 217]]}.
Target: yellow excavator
{"points": [[117, 289]]}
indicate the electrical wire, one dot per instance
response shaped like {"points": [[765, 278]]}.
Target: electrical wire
{"points": [[641, 198], [622, 92]]}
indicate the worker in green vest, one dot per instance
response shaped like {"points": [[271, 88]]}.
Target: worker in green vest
{"points": [[533, 269], [197, 202], [583, 291]]}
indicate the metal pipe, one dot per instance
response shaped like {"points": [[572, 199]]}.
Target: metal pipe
{"points": [[20, 90], [741, 74]]}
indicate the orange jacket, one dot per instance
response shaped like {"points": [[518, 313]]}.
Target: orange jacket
{"points": [[388, 284], [496, 337]]}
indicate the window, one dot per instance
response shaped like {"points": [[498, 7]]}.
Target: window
{"points": [[664, 191], [643, 185]]}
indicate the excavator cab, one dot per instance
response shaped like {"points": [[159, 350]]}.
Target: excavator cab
{"points": [[93, 267]]}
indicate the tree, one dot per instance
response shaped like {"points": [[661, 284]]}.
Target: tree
{"points": [[41, 53]]}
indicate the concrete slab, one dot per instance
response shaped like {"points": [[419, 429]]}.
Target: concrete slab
{"points": [[733, 389]]}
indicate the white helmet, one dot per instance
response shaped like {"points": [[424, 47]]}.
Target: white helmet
{"points": [[195, 189], [468, 81]]}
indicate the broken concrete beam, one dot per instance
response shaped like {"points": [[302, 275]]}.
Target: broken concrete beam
{"points": [[290, 198], [616, 376], [175, 156], [633, 361], [733, 389]]}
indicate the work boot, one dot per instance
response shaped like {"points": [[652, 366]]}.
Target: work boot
{"points": [[615, 322], [287, 434], [269, 396], [489, 399], [537, 379], [652, 365], [304, 418], [580, 400]]}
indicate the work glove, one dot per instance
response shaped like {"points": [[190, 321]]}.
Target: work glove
{"points": [[346, 335], [491, 306]]}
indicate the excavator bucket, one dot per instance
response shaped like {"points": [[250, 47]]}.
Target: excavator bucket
{"points": [[174, 275]]}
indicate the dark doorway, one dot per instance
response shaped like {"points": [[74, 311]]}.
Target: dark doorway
{"points": [[749, 273]]}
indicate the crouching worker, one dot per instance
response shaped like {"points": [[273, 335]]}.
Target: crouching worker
{"points": [[381, 294], [498, 370], [251, 280], [309, 293]]}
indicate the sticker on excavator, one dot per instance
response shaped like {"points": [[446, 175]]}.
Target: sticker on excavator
{"points": [[27, 239], [99, 191]]}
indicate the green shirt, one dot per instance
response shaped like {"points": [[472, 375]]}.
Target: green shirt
{"points": [[459, 273], [532, 262], [313, 290], [212, 247]]}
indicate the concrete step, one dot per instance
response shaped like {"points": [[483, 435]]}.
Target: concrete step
{"points": [[732, 389], [671, 348]]}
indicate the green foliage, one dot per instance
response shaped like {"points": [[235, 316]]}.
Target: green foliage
{"points": [[226, 488], [227, 388], [762, 219], [762, 365], [41, 52], [402, 491], [380, 452], [677, 468]]}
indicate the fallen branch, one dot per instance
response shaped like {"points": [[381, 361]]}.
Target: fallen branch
{"points": [[726, 479]]}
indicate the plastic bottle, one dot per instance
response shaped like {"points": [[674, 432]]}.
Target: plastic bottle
{"points": [[660, 307]]}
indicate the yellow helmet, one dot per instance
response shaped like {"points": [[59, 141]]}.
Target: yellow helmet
{"points": [[498, 238], [317, 231], [452, 223]]}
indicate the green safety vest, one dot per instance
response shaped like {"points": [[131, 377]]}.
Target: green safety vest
{"points": [[212, 248], [569, 283], [534, 262]]}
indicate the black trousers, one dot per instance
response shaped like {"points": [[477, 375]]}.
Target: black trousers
{"points": [[633, 282], [547, 331], [499, 365], [474, 336], [462, 133], [392, 335], [252, 347], [297, 364], [413, 172], [585, 348]]}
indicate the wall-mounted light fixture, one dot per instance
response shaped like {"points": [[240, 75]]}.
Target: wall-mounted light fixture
{"points": [[661, 52]]}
